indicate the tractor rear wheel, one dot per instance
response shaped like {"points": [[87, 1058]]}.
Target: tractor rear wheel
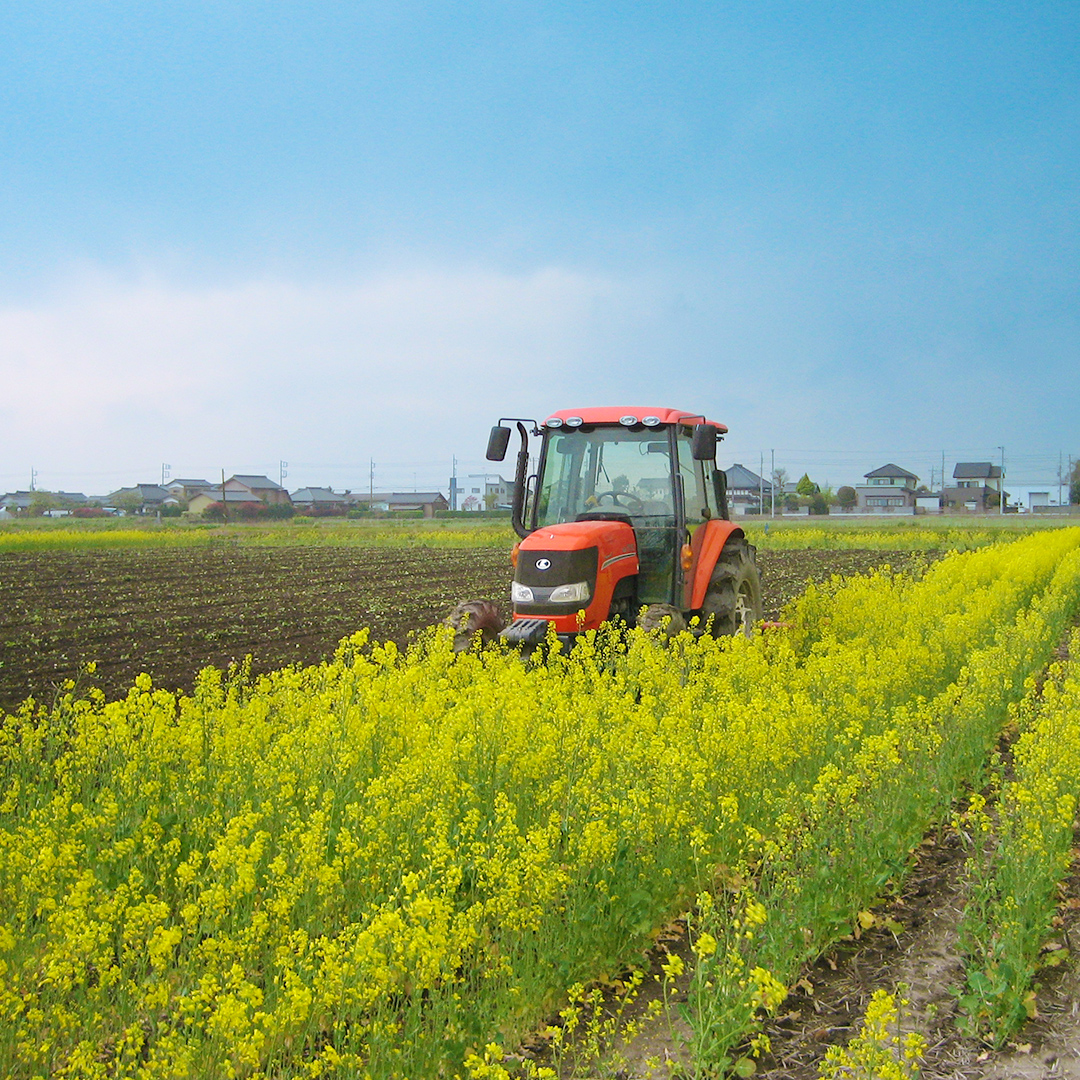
{"points": [[733, 599]]}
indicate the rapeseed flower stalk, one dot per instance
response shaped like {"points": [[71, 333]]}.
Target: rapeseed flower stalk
{"points": [[1019, 857], [881, 1050]]}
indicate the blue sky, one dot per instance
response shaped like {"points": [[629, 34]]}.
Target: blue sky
{"points": [[236, 233]]}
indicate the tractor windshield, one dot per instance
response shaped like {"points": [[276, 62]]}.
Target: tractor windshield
{"points": [[615, 470], [605, 468]]}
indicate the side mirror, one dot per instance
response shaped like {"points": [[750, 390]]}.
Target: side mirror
{"points": [[498, 441], [703, 442]]}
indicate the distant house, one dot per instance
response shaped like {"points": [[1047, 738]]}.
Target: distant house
{"points": [[186, 490], [18, 502], [262, 487], [746, 489], [144, 498], [314, 499], [428, 502], [201, 502], [928, 502], [977, 487], [888, 490], [486, 491]]}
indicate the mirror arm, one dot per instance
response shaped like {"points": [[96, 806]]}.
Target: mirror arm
{"points": [[517, 516]]}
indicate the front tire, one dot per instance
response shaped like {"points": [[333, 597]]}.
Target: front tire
{"points": [[733, 599]]}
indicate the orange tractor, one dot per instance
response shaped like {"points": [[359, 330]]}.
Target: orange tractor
{"points": [[625, 518]]}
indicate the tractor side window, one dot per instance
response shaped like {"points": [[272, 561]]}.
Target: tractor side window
{"points": [[695, 490]]}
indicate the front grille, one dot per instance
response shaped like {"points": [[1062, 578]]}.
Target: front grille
{"points": [[565, 568]]}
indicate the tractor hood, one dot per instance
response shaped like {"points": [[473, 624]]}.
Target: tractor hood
{"points": [[573, 567]]}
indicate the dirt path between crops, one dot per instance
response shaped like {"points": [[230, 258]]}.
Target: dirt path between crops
{"points": [[831, 995]]}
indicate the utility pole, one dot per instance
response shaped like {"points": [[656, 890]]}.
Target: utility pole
{"points": [[453, 486], [1001, 484], [33, 478], [761, 482], [772, 483], [371, 480]]}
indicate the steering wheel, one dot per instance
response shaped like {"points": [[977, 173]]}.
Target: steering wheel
{"points": [[632, 501]]}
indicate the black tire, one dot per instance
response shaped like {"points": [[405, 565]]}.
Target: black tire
{"points": [[733, 599]]}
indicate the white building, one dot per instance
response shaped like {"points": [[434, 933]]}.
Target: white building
{"points": [[485, 491]]}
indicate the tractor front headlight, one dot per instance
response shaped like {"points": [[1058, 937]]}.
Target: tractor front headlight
{"points": [[578, 593], [520, 594]]}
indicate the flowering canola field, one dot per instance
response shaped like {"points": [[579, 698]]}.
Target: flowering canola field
{"points": [[395, 865]]}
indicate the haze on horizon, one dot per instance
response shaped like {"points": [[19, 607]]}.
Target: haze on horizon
{"points": [[342, 233]]}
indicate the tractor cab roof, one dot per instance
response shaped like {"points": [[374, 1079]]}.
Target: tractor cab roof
{"points": [[628, 416]]}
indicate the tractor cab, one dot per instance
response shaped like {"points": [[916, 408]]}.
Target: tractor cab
{"points": [[627, 509]]}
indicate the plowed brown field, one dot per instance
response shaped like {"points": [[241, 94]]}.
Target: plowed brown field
{"points": [[172, 612]]}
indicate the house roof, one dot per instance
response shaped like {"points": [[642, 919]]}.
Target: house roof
{"points": [[316, 495], [415, 497], [394, 498], [739, 477], [890, 470], [146, 492], [178, 482], [256, 482], [976, 470], [22, 499]]}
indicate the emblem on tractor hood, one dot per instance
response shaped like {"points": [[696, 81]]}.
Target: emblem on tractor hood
{"points": [[543, 564]]}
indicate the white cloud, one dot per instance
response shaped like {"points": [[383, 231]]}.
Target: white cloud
{"points": [[109, 374]]}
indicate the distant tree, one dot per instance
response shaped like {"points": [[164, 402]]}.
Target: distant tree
{"points": [[779, 480], [818, 504], [806, 486], [42, 501], [490, 499], [847, 497], [129, 502], [1074, 484]]}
